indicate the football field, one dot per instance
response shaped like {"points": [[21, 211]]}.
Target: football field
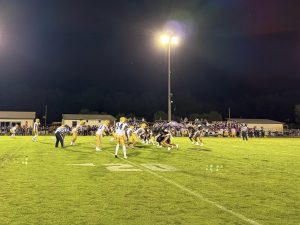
{"points": [[227, 181]]}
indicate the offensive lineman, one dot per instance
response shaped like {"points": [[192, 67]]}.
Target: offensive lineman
{"points": [[103, 127], [120, 136], [75, 132], [35, 130]]}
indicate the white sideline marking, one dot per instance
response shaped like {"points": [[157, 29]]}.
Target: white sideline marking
{"points": [[199, 196], [83, 164]]}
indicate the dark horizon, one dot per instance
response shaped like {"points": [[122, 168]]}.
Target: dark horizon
{"points": [[103, 57]]}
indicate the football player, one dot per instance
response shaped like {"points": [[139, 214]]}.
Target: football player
{"points": [[13, 130], [139, 133], [131, 137], [191, 131], [103, 127], [35, 130], [75, 131], [166, 142], [120, 136], [149, 136], [198, 135]]}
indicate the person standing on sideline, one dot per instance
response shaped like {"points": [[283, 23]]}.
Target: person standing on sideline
{"points": [[120, 136], [60, 133], [35, 130], [244, 130]]}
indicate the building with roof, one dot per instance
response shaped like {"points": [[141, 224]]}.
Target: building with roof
{"points": [[10, 118], [73, 119], [268, 125]]}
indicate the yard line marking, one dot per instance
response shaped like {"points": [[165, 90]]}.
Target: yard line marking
{"points": [[199, 196], [82, 164]]}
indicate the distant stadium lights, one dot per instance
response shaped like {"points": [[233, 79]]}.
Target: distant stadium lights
{"points": [[164, 39], [174, 40], [169, 39]]}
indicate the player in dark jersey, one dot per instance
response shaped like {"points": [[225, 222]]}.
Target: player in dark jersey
{"points": [[191, 131], [198, 135], [164, 140]]}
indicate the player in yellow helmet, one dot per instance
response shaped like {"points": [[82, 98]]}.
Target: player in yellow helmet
{"points": [[76, 130], [132, 139], [35, 130], [139, 133], [120, 136], [99, 134]]}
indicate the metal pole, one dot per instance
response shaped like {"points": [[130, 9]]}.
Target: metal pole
{"points": [[169, 83], [46, 112]]}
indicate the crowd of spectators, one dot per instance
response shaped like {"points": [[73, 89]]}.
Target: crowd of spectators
{"points": [[215, 129]]}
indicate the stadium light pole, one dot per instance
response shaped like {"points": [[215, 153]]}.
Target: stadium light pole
{"points": [[169, 40]]}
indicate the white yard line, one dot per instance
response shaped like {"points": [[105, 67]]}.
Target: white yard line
{"points": [[199, 196], [82, 164]]}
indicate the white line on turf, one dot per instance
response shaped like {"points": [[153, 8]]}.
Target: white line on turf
{"points": [[82, 164], [199, 196]]}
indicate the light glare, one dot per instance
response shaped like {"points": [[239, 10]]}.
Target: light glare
{"points": [[174, 40], [165, 39]]}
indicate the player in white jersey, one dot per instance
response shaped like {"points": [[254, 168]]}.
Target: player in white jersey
{"points": [[13, 130], [130, 136], [75, 131], [141, 131], [35, 130], [120, 136], [99, 134]]}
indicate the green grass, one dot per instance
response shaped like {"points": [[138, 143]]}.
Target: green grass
{"points": [[227, 181]]}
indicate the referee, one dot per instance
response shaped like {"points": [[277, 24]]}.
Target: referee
{"points": [[60, 135]]}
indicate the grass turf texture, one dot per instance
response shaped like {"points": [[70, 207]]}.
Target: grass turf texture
{"points": [[227, 181]]}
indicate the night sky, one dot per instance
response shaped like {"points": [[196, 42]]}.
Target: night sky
{"points": [[103, 56]]}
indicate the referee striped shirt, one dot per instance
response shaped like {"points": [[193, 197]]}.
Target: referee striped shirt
{"points": [[62, 130]]}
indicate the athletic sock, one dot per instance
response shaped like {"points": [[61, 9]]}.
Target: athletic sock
{"points": [[117, 149], [124, 151]]}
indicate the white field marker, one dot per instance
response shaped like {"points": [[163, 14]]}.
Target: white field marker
{"points": [[159, 167], [118, 167], [82, 164]]}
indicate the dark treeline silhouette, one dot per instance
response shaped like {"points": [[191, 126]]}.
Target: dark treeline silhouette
{"points": [[273, 106]]}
